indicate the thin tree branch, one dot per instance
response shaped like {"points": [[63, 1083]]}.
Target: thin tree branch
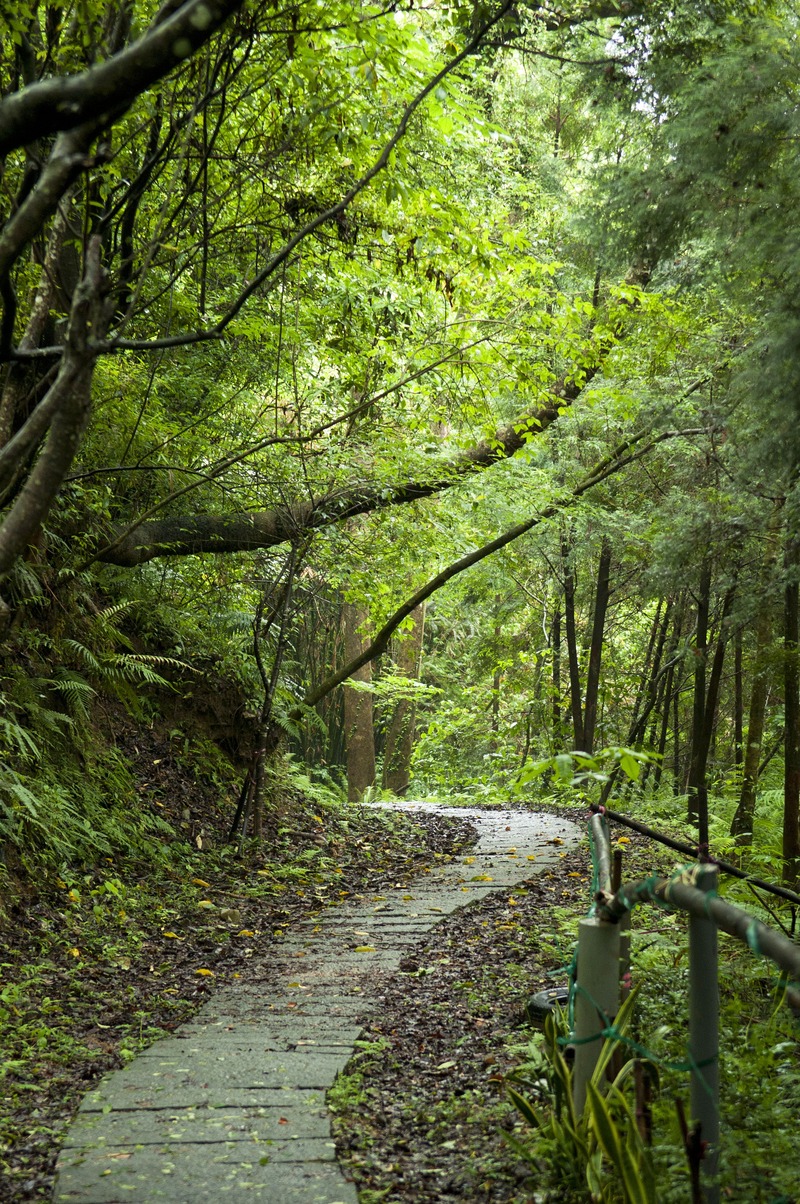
{"points": [[271, 266], [621, 456], [105, 554]]}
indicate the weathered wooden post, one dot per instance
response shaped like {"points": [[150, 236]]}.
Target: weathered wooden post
{"points": [[597, 992], [596, 997], [704, 1033]]}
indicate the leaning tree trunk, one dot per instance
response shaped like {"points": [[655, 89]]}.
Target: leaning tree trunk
{"points": [[399, 742], [650, 691], [669, 702], [651, 666], [358, 717]]}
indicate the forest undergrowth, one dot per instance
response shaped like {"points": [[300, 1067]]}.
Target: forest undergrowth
{"points": [[423, 1110], [99, 960]]}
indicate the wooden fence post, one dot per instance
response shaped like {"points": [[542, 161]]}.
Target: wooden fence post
{"points": [[596, 997], [704, 1033]]}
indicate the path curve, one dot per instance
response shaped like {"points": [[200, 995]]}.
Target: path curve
{"points": [[232, 1106]]}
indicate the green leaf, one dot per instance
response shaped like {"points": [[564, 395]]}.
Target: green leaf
{"points": [[526, 1108]]}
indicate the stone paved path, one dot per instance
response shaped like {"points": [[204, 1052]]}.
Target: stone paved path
{"points": [[232, 1107]]}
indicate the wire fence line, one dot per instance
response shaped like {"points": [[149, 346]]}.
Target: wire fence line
{"points": [[596, 970]]}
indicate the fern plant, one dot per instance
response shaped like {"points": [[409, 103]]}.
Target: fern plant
{"points": [[63, 793]]}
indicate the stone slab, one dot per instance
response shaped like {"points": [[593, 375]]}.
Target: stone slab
{"points": [[180, 1177], [198, 1126], [230, 1067], [132, 1096]]}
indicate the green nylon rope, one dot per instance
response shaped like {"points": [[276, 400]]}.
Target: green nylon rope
{"points": [[612, 1033], [689, 874], [752, 938]]}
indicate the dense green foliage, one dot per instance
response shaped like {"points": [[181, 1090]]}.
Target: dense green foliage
{"points": [[314, 317]]}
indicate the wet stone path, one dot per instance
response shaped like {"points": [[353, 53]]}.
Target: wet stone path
{"points": [[232, 1106]]}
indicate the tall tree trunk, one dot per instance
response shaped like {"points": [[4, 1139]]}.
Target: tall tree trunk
{"points": [[649, 693], [652, 662], [704, 734], [358, 717], [400, 732], [601, 597], [677, 751], [791, 785], [742, 823], [738, 702], [497, 681], [555, 638], [666, 698], [275, 603], [668, 701], [572, 645], [697, 811]]}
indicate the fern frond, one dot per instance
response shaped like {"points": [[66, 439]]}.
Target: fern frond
{"points": [[19, 739], [132, 668], [85, 656], [109, 613], [74, 690], [166, 662]]}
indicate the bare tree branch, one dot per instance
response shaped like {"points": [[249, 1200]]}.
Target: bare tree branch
{"points": [[63, 103]]}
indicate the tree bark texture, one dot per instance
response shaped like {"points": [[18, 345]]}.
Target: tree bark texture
{"points": [[791, 679], [358, 709], [576, 708], [399, 743], [601, 597]]}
